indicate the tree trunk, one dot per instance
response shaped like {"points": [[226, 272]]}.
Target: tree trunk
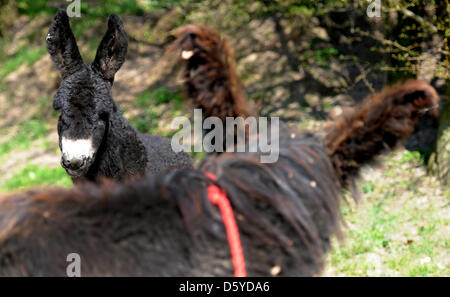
{"points": [[8, 12], [432, 46], [439, 163]]}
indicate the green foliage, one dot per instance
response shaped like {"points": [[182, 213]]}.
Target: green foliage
{"points": [[326, 53], [421, 27], [92, 9], [104, 8], [97, 9], [34, 175], [34, 7], [288, 9], [324, 56]]}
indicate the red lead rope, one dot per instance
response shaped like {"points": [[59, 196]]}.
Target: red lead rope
{"points": [[219, 198]]}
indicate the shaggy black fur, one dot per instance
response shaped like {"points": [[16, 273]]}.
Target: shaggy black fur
{"points": [[88, 110]]}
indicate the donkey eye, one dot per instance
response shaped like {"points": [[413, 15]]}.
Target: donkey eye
{"points": [[63, 121], [103, 116]]}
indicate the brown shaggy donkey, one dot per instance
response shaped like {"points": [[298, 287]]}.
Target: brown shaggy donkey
{"points": [[211, 81], [286, 211]]}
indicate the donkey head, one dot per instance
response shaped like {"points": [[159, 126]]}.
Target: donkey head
{"points": [[84, 96], [199, 45]]}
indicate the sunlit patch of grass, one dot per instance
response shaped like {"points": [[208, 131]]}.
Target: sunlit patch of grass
{"points": [[420, 270], [367, 187], [413, 156], [327, 106], [34, 175], [400, 227]]}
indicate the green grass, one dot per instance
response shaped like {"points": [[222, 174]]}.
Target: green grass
{"points": [[24, 55], [374, 249], [151, 104], [159, 96], [28, 132], [327, 106], [414, 156], [367, 187], [33, 175], [399, 229]]}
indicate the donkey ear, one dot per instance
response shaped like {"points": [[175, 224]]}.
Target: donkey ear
{"points": [[112, 49], [61, 45]]}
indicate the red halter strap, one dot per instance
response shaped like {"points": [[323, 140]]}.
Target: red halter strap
{"points": [[219, 198]]}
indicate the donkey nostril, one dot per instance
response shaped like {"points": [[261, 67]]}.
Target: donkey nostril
{"points": [[76, 163], [73, 163]]}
